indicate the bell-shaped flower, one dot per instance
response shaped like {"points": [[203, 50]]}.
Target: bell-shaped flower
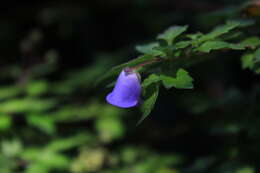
{"points": [[127, 90]]}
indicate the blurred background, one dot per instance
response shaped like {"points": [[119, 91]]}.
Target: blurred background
{"points": [[53, 119]]}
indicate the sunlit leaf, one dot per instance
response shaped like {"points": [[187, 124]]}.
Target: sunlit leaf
{"points": [[149, 49], [42, 122], [223, 29], [5, 122], [26, 105], [215, 45], [109, 128], [10, 91], [251, 42], [36, 88], [181, 81], [171, 33], [153, 78], [247, 61]]}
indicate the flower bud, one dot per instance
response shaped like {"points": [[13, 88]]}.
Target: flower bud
{"points": [[127, 90]]}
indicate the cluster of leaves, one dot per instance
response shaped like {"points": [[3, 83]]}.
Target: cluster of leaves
{"points": [[62, 125], [46, 126], [175, 51]]}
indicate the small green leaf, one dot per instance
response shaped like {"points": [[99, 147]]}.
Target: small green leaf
{"points": [[252, 61], [149, 49], [26, 105], [11, 148], [42, 122], [182, 80], [63, 144], [170, 34], [247, 61], [53, 160], [109, 129], [9, 91], [223, 29], [251, 42], [215, 45], [246, 170], [150, 96], [257, 56], [256, 61], [153, 78], [37, 167], [182, 44], [5, 122], [194, 36], [36, 88]]}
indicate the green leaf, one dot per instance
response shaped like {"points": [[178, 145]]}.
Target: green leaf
{"points": [[150, 96], [215, 45], [223, 29], [26, 105], [251, 42], [182, 80], [194, 36], [170, 34], [59, 145], [9, 92], [5, 122], [182, 44], [53, 160], [153, 78], [109, 128], [256, 61], [37, 167], [149, 49], [36, 88], [247, 61], [44, 123], [7, 164], [11, 148], [251, 61], [257, 56], [246, 170], [117, 69]]}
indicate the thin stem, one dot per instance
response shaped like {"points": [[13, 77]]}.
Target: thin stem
{"points": [[147, 63]]}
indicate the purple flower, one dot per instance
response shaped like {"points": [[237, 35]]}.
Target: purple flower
{"points": [[127, 90]]}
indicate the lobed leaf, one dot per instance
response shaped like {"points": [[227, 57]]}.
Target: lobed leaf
{"points": [[251, 42], [149, 49], [153, 78], [171, 33], [215, 45], [247, 61], [182, 80], [223, 29]]}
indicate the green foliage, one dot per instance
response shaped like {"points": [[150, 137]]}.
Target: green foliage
{"points": [[216, 45], [5, 122], [224, 29], [251, 42], [115, 70], [182, 80], [170, 34], [55, 119], [149, 49], [150, 96], [178, 55], [251, 61]]}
